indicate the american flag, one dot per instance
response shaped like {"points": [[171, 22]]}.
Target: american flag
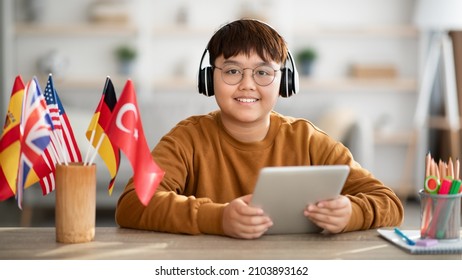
{"points": [[63, 147], [47, 163], [50, 98], [61, 123], [36, 126]]}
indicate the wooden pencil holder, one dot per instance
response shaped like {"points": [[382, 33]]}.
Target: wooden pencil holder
{"points": [[75, 212]]}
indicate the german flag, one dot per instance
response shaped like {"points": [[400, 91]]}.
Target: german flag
{"points": [[96, 132]]}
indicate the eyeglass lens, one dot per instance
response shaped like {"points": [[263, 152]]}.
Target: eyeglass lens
{"points": [[262, 75]]}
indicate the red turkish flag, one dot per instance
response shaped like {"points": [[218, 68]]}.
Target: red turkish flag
{"points": [[126, 132]]}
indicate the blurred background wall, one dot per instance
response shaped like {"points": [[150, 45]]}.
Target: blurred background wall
{"points": [[361, 86]]}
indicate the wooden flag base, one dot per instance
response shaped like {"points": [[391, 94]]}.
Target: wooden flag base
{"points": [[75, 212]]}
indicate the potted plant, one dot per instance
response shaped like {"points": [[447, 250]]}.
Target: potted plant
{"points": [[305, 58], [125, 56]]}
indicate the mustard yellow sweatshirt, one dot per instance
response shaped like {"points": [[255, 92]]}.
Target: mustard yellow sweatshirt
{"points": [[205, 168]]}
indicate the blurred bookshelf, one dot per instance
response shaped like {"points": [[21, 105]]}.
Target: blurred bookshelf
{"points": [[75, 29]]}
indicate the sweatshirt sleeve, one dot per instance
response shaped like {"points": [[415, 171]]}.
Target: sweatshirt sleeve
{"points": [[172, 209], [373, 204], [169, 212]]}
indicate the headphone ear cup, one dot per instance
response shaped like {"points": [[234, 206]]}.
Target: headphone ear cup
{"points": [[282, 87], [209, 80], [286, 87], [290, 83], [201, 81], [289, 80], [205, 83]]}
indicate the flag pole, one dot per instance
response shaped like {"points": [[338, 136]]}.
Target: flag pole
{"points": [[85, 162], [59, 147], [55, 153], [92, 137], [100, 141]]}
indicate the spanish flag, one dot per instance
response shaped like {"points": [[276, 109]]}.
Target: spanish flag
{"points": [[10, 142], [10, 145]]}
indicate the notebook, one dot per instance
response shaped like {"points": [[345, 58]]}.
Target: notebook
{"points": [[442, 247], [284, 192]]}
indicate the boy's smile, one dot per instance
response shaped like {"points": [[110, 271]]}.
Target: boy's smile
{"points": [[247, 100]]}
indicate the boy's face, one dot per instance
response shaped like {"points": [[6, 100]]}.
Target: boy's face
{"points": [[246, 103]]}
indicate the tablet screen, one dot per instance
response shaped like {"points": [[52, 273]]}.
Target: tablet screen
{"points": [[284, 192]]}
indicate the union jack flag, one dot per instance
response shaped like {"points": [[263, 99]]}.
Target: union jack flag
{"points": [[35, 127]]}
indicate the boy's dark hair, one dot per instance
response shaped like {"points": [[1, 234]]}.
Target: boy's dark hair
{"points": [[247, 35]]}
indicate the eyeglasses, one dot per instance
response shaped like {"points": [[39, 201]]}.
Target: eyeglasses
{"points": [[262, 75]]}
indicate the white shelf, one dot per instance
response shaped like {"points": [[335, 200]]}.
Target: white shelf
{"points": [[311, 84], [182, 30], [183, 84], [393, 137], [396, 31], [348, 84], [80, 29], [175, 84], [87, 83], [439, 122]]}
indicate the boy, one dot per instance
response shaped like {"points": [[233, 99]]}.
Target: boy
{"points": [[212, 161]]}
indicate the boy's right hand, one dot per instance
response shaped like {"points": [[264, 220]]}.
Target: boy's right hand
{"points": [[243, 221]]}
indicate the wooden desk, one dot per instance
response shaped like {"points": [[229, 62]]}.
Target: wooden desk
{"points": [[117, 243]]}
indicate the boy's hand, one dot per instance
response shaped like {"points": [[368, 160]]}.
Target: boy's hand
{"points": [[331, 215], [243, 221]]}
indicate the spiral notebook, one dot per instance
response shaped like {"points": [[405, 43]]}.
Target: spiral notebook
{"points": [[442, 247]]}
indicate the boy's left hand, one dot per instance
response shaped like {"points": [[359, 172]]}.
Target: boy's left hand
{"points": [[331, 215]]}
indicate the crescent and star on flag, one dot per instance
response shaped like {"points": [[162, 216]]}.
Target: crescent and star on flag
{"points": [[126, 108]]}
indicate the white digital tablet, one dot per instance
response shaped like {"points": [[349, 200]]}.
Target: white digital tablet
{"points": [[284, 192]]}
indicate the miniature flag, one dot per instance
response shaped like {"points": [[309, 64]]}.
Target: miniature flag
{"points": [[10, 142], [96, 132], [126, 131], [63, 146], [61, 123], [46, 165], [36, 126]]}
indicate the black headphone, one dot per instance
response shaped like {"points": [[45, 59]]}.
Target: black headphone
{"points": [[289, 79]]}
